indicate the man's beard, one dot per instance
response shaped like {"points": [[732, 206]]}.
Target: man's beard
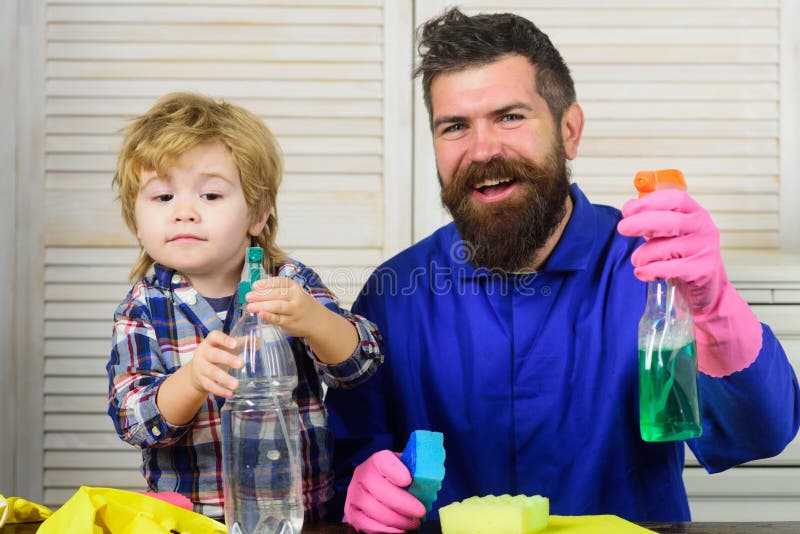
{"points": [[507, 234]]}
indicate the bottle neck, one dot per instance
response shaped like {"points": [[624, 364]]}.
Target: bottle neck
{"points": [[665, 296]]}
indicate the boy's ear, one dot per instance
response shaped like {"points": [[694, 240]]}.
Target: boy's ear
{"points": [[257, 225]]}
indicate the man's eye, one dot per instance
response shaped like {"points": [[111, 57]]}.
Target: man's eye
{"points": [[166, 197], [511, 117], [453, 128], [211, 196]]}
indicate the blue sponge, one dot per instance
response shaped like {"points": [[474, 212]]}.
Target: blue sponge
{"points": [[424, 458]]}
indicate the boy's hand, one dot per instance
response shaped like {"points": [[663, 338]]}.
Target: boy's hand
{"points": [[208, 365], [283, 302]]}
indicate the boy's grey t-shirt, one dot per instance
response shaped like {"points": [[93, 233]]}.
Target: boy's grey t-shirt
{"points": [[220, 305]]}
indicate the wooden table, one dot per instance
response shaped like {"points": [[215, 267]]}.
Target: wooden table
{"points": [[432, 527]]}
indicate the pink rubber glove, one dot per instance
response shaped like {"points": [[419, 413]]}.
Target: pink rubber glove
{"points": [[376, 499], [172, 497], [682, 243]]}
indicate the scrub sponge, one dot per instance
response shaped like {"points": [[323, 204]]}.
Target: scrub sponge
{"points": [[496, 515], [424, 458]]}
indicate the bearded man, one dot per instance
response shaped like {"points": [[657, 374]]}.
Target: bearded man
{"points": [[513, 330]]}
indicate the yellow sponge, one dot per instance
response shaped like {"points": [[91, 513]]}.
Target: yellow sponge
{"points": [[496, 515]]}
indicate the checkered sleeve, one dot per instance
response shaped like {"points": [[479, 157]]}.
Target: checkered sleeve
{"points": [[368, 354], [135, 372]]}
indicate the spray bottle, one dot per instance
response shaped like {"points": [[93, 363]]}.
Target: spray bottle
{"points": [[261, 425], [669, 405]]}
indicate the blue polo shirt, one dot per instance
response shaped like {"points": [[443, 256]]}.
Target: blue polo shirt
{"points": [[533, 380]]}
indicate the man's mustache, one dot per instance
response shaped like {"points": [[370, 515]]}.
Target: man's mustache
{"points": [[498, 169]]}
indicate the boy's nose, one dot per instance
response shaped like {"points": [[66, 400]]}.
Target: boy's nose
{"points": [[186, 212]]}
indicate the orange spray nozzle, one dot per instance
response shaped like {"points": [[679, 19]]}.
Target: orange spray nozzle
{"points": [[649, 181]]}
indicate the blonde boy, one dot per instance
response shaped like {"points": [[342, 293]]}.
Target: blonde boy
{"points": [[197, 180]]}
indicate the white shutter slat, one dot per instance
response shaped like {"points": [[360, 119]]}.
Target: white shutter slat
{"points": [[74, 440], [638, 147], [76, 403], [106, 162], [299, 89], [635, 17], [104, 478], [292, 182], [115, 31], [210, 70], [93, 422], [517, 5], [598, 109], [635, 91], [215, 52], [67, 348], [284, 107], [280, 126], [130, 460], [686, 129], [648, 54], [213, 14], [339, 145], [313, 3]]}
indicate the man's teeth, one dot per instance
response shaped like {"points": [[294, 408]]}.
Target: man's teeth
{"points": [[492, 181]]}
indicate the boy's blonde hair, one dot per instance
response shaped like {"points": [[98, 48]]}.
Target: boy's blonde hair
{"points": [[178, 122]]}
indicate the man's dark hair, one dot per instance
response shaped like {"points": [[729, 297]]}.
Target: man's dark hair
{"points": [[454, 42]]}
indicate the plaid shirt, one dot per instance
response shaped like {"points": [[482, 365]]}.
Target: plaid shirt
{"points": [[157, 329]]}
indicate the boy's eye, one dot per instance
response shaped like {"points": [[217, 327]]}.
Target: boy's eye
{"points": [[165, 197], [211, 196]]}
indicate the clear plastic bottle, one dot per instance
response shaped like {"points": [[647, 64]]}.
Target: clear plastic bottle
{"points": [[669, 402], [261, 427], [669, 407]]}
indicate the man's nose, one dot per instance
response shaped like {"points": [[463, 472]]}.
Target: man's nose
{"points": [[485, 144]]}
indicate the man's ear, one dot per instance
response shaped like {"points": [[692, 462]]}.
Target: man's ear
{"points": [[258, 225], [571, 129]]}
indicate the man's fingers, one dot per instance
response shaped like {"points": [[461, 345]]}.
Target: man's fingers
{"points": [[663, 200], [385, 514], [364, 523]]}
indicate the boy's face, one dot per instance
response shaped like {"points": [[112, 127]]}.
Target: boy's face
{"points": [[195, 219]]}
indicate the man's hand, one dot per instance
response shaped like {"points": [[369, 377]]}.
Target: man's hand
{"points": [[283, 302], [208, 367], [682, 243], [377, 500]]}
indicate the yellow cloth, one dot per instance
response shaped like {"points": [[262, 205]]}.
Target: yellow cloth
{"points": [[17, 510], [592, 524], [112, 511]]}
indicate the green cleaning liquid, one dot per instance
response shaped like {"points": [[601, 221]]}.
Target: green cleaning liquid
{"points": [[669, 407]]}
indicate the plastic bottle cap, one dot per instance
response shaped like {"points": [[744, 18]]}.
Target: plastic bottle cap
{"points": [[255, 254], [649, 181], [244, 289]]}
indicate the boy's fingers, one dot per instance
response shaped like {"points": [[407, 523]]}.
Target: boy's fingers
{"points": [[219, 339]]}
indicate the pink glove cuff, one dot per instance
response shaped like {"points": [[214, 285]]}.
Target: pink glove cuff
{"points": [[728, 337]]}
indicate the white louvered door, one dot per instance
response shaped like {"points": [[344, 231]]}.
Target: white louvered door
{"points": [[699, 85], [318, 72]]}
